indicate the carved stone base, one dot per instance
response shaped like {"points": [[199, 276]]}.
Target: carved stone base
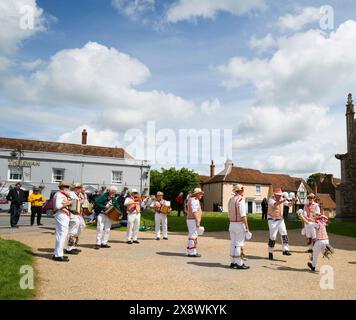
{"points": [[345, 203]]}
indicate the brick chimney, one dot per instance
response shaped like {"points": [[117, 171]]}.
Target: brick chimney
{"points": [[84, 136], [212, 169]]}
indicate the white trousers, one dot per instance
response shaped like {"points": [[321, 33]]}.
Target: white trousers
{"points": [[103, 229], [319, 247], [310, 233], [275, 227], [133, 226], [74, 224], [192, 236], [62, 226], [161, 218], [237, 237]]}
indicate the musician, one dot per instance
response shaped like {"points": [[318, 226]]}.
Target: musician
{"points": [[238, 226], [102, 203], [76, 221], [276, 222], [133, 216], [322, 244], [194, 215], [311, 210], [61, 201], [160, 218]]}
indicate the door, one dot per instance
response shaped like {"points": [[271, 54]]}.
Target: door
{"points": [[250, 207]]}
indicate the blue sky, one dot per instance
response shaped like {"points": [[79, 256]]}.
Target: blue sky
{"points": [[185, 59]]}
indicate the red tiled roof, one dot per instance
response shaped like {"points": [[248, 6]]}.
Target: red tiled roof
{"points": [[241, 175], [59, 147], [326, 201]]}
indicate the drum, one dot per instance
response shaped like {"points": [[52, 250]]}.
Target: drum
{"points": [[89, 209], [114, 214], [166, 208], [75, 207]]}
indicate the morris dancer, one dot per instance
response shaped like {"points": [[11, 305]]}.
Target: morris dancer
{"points": [[160, 218], [133, 217], [103, 202], [62, 216], [75, 221], [276, 222], [194, 215], [322, 240], [238, 227], [311, 210]]}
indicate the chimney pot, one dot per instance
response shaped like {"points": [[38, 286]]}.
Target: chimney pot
{"points": [[84, 137], [212, 169]]}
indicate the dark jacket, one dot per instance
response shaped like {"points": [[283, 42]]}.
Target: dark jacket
{"points": [[15, 197]]}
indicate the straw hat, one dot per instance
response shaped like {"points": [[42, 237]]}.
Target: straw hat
{"points": [[64, 183], [134, 191], [277, 191], [197, 191], [159, 193], [77, 185], [311, 196], [237, 188]]}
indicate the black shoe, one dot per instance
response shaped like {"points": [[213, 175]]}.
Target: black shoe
{"points": [[165, 238], [158, 239], [233, 265], [97, 247], [310, 265], [39, 224], [129, 242], [286, 253], [270, 256], [135, 241], [71, 252], [310, 251], [61, 259], [243, 267], [194, 255], [105, 246]]}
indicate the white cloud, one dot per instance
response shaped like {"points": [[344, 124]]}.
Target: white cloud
{"points": [[299, 21], [32, 65], [105, 138], [262, 44], [190, 9], [101, 79], [308, 67], [210, 107], [133, 8], [12, 13], [265, 126]]}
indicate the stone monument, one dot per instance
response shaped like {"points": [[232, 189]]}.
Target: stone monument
{"points": [[346, 190]]}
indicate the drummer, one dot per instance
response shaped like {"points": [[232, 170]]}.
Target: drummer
{"points": [[105, 201], [160, 218]]}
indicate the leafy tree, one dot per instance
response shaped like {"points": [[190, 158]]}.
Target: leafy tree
{"points": [[312, 178], [172, 181]]}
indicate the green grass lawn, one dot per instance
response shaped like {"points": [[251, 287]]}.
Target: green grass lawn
{"points": [[13, 255], [219, 222]]}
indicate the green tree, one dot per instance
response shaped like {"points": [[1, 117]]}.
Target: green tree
{"points": [[313, 177], [172, 181]]}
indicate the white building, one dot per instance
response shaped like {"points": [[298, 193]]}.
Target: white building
{"points": [[46, 163]]}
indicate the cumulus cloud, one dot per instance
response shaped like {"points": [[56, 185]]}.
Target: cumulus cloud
{"points": [[190, 9], [297, 22], [306, 67], [16, 24], [100, 78], [262, 44]]}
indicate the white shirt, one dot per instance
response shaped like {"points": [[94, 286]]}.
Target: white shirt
{"points": [[242, 208], [195, 205], [272, 201], [59, 199]]}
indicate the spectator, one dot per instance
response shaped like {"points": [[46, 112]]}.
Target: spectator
{"points": [[264, 209], [17, 198], [36, 199], [180, 202]]}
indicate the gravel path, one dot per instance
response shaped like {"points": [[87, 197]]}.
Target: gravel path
{"points": [[160, 269]]}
